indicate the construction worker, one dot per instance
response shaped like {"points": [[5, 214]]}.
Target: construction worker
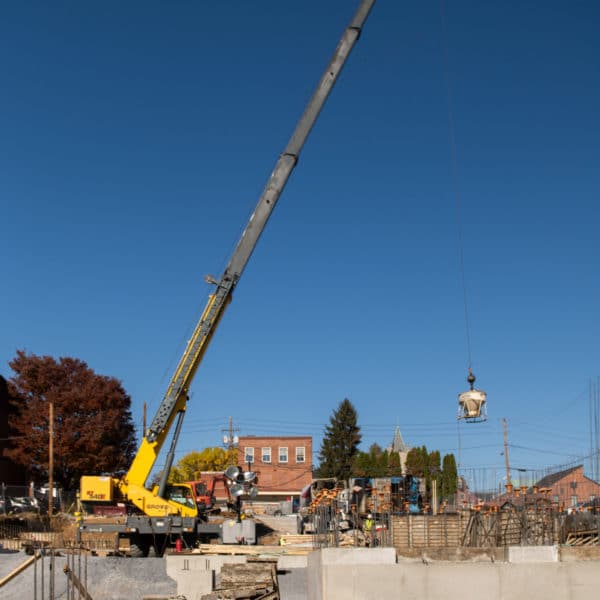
{"points": [[368, 525]]}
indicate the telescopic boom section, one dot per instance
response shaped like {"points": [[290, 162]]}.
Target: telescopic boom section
{"points": [[175, 398]]}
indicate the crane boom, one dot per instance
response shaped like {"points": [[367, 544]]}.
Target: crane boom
{"points": [[175, 398]]}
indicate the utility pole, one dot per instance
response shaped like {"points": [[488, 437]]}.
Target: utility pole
{"points": [[507, 462], [230, 439], [50, 457]]}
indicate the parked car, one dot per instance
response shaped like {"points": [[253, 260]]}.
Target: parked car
{"points": [[21, 504]]}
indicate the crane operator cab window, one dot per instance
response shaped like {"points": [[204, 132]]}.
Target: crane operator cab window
{"points": [[180, 494]]}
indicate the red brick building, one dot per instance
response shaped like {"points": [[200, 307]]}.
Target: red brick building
{"points": [[283, 463], [570, 487]]}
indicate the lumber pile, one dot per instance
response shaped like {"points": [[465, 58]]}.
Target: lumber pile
{"points": [[233, 549], [323, 497], [380, 499], [296, 539], [582, 538], [252, 581]]}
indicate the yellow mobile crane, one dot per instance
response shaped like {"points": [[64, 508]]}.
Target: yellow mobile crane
{"points": [[160, 517]]}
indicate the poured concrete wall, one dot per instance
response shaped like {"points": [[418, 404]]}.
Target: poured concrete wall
{"points": [[330, 576]]}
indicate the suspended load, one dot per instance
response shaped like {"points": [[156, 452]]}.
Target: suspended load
{"points": [[472, 404]]}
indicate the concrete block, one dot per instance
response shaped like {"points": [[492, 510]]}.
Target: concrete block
{"points": [[464, 581], [198, 562], [293, 584], [194, 584], [356, 556], [292, 562], [535, 554]]}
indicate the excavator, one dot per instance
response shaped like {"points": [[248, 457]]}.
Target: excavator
{"points": [[167, 515]]}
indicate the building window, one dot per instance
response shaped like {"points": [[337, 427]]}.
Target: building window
{"points": [[283, 454], [266, 455], [300, 454], [556, 498], [249, 455], [573, 500]]}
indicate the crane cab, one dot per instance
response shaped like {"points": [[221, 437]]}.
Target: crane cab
{"points": [[472, 404]]}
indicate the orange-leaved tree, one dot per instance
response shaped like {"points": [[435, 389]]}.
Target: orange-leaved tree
{"points": [[93, 427]]}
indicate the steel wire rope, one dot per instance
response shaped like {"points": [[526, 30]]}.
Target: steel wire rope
{"points": [[456, 181]]}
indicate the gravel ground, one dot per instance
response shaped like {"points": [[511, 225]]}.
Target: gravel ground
{"points": [[108, 578]]}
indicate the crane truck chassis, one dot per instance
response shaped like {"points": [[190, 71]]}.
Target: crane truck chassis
{"points": [[167, 515]]}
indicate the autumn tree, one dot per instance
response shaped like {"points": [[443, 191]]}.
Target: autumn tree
{"points": [[93, 428], [192, 464], [340, 442]]}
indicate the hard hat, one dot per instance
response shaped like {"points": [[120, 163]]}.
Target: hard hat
{"points": [[369, 516]]}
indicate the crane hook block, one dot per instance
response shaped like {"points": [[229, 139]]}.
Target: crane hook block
{"points": [[472, 404]]}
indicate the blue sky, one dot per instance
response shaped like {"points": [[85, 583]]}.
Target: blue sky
{"points": [[137, 137]]}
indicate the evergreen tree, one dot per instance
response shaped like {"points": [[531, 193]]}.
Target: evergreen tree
{"points": [[340, 443], [362, 464], [414, 462], [394, 465], [449, 476], [434, 470]]}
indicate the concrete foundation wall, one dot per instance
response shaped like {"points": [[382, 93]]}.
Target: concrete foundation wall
{"points": [[330, 578]]}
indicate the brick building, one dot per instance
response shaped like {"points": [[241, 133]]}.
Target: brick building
{"points": [[283, 463], [570, 487]]}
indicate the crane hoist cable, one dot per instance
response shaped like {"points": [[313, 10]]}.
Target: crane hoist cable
{"points": [[472, 404], [456, 186]]}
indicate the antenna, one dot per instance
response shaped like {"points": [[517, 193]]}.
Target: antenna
{"points": [[231, 441], [506, 460]]}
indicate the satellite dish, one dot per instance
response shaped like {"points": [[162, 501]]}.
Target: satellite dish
{"points": [[237, 490], [249, 476], [232, 472], [253, 492]]}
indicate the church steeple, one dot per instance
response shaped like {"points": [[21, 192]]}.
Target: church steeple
{"points": [[398, 444]]}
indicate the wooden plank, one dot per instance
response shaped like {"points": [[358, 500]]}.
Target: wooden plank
{"points": [[251, 550]]}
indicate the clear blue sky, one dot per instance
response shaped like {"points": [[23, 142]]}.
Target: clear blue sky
{"points": [[136, 138]]}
